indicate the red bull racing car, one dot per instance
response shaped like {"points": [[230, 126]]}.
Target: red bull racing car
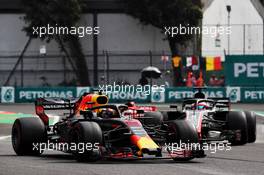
{"points": [[93, 130]]}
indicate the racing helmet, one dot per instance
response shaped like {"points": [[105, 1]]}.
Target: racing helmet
{"points": [[130, 104], [202, 106], [108, 113]]}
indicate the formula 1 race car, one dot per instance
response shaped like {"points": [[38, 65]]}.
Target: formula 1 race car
{"points": [[93, 130], [214, 121], [148, 115]]}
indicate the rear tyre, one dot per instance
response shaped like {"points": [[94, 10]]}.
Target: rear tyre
{"points": [[165, 115], [251, 126], [173, 115], [182, 132], [27, 134], [87, 133], [237, 121]]}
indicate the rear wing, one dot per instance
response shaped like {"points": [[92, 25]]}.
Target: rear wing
{"points": [[74, 105], [56, 103], [221, 102], [42, 104]]}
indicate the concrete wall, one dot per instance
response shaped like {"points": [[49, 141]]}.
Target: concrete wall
{"points": [[243, 12], [119, 33]]}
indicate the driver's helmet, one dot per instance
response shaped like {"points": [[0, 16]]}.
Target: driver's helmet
{"points": [[202, 106], [107, 113], [130, 104]]}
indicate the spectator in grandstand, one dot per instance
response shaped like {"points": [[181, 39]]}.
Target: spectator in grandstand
{"points": [[194, 81], [200, 80], [191, 80], [221, 81], [213, 81], [44, 81], [143, 81]]}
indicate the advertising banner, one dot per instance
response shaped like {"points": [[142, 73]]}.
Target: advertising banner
{"points": [[245, 70], [155, 95], [30, 94], [7, 94], [234, 94], [140, 94], [81, 90], [158, 95], [252, 95], [122, 97], [178, 94]]}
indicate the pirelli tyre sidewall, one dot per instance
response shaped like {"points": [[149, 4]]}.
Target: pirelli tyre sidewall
{"points": [[87, 133], [181, 131], [27, 132], [251, 126], [237, 121]]}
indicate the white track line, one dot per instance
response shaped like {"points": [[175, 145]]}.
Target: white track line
{"points": [[5, 137], [260, 114]]}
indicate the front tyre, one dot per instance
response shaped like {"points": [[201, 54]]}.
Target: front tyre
{"points": [[183, 132], [88, 137]]}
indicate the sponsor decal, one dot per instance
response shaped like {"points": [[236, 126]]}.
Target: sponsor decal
{"points": [[7, 94], [158, 95], [30, 94], [123, 96], [250, 69], [255, 95], [178, 94], [234, 94], [244, 70], [82, 90]]}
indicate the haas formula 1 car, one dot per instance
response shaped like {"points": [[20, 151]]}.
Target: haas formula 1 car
{"points": [[214, 121], [103, 131]]}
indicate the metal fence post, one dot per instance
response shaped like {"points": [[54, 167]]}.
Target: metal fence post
{"points": [[95, 50], [244, 39], [22, 71]]}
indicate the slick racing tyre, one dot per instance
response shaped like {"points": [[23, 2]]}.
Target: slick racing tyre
{"points": [[165, 115], [182, 132], [153, 118], [251, 126], [237, 121], [87, 135], [27, 134], [173, 115]]}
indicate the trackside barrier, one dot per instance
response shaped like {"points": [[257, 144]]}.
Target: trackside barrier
{"points": [[244, 70], [169, 95]]}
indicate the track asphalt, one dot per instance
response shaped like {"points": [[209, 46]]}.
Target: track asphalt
{"points": [[247, 159]]}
